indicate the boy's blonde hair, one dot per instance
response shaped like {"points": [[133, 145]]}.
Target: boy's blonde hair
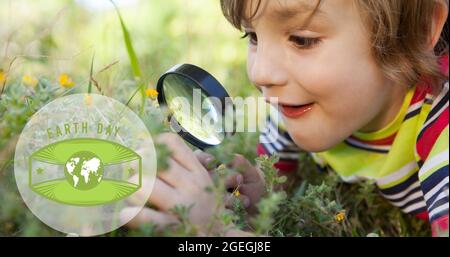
{"points": [[399, 31]]}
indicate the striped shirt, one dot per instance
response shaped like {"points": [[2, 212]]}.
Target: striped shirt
{"points": [[408, 159]]}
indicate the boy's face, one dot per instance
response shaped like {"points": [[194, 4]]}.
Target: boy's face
{"points": [[326, 80]]}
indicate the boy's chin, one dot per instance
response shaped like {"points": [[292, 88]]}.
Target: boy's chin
{"points": [[311, 145]]}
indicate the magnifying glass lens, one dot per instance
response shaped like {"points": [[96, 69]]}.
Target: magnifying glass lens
{"points": [[196, 112]]}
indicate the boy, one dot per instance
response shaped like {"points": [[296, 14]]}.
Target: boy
{"points": [[358, 85]]}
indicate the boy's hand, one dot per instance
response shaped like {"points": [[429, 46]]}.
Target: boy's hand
{"points": [[249, 182], [183, 183]]}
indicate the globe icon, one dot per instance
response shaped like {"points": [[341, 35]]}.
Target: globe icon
{"points": [[90, 177], [83, 170]]}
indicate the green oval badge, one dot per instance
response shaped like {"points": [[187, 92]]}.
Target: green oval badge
{"points": [[87, 177]]}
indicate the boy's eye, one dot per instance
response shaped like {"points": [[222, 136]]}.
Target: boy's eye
{"points": [[253, 39], [304, 42]]}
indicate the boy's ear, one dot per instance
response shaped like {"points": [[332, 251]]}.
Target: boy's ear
{"points": [[440, 14]]}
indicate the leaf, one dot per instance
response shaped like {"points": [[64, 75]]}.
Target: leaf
{"points": [[129, 45], [133, 59], [90, 75]]}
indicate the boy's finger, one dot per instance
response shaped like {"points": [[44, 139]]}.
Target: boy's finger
{"points": [[204, 158], [140, 196], [176, 176], [240, 164], [249, 172], [234, 181], [163, 196], [180, 152], [146, 215]]}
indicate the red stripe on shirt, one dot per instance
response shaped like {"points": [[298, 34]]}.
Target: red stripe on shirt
{"points": [[431, 134], [443, 64], [286, 166], [440, 226], [419, 94], [282, 165], [260, 150], [384, 141], [423, 215]]}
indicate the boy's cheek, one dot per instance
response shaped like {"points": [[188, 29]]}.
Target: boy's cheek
{"points": [[324, 128], [309, 139]]}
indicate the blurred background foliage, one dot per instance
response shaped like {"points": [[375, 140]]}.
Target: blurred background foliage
{"points": [[52, 37]]}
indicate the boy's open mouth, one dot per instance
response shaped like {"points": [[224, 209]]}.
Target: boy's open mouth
{"points": [[292, 110], [295, 111]]}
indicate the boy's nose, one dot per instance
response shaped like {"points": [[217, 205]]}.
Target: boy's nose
{"points": [[266, 68]]}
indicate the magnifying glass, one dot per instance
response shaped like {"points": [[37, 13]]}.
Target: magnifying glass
{"points": [[197, 103]]}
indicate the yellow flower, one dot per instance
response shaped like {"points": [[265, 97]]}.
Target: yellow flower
{"points": [[166, 122], [65, 81], [2, 77], [88, 99], [236, 193], [221, 167], [151, 93], [30, 80], [340, 216]]}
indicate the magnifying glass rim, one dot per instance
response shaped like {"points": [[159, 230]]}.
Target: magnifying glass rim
{"points": [[211, 89]]}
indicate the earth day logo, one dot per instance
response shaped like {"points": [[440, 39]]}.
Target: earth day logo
{"points": [[80, 160], [86, 163]]}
